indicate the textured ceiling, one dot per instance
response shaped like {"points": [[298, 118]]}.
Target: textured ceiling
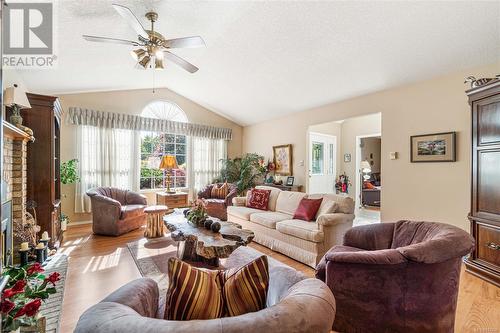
{"points": [[268, 59]]}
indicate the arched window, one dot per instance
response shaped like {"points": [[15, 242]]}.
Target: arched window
{"points": [[155, 145]]}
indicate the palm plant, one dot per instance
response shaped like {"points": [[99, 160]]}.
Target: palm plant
{"points": [[245, 172]]}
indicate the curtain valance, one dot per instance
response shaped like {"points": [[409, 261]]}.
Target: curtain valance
{"points": [[86, 117]]}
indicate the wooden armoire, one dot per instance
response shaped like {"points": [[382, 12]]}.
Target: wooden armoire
{"points": [[485, 195], [44, 185]]}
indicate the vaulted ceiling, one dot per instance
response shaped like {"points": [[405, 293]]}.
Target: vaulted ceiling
{"points": [[267, 59]]}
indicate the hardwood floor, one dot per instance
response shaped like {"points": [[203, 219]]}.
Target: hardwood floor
{"points": [[98, 265]]}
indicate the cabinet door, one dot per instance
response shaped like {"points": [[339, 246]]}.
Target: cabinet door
{"points": [[487, 114]]}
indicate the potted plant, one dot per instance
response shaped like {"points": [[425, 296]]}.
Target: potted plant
{"points": [[69, 175], [21, 300], [197, 214], [245, 172]]}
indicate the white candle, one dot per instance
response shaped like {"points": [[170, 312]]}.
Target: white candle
{"points": [[40, 246], [45, 235], [24, 246]]}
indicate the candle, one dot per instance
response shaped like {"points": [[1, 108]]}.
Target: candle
{"points": [[45, 235], [40, 246], [24, 246]]}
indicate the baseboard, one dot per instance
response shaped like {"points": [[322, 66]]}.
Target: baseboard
{"points": [[79, 223]]}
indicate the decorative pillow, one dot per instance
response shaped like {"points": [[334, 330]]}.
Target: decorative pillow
{"points": [[368, 186], [258, 199], [193, 293], [219, 192], [245, 288], [307, 209], [196, 293], [327, 207]]}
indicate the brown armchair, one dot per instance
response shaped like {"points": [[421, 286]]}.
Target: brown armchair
{"points": [[116, 211], [396, 277], [218, 207]]}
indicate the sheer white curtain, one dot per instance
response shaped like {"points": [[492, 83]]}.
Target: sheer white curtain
{"points": [[107, 157], [205, 161]]}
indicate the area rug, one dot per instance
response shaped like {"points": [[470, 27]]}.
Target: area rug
{"points": [[51, 309]]}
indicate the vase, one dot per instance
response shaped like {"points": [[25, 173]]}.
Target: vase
{"points": [[39, 327]]}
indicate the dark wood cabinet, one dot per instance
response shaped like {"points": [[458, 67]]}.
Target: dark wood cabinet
{"points": [[485, 195], [44, 186]]}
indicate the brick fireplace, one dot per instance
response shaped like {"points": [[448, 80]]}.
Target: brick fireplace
{"points": [[15, 150]]}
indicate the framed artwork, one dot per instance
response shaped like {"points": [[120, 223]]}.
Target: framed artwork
{"points": [[347, 158], [282, 156], [437, 147], [289, 181]]}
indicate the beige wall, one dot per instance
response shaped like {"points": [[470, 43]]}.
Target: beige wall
{"points": [[422, 191], [132, 102]]}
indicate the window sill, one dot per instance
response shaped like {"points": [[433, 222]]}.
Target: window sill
{"points": [[155, 190]]}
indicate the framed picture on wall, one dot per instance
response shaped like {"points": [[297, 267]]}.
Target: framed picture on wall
{"points": [[289, 181], [437, 147], [282, 156], [347, 158]]}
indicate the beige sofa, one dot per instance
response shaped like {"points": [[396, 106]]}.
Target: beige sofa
{"points": [[304, 241]]}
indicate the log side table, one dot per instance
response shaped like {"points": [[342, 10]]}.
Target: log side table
{"points": [[154, 227]]}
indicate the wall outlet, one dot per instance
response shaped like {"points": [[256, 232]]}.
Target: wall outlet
{"points": [[393, 155]]}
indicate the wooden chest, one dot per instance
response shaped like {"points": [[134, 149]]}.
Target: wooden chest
{"points": [[175, 200]]}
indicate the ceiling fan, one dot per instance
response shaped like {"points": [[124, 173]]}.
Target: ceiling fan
{"points": [[153, 48]]}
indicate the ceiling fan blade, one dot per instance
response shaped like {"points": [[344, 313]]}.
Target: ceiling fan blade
{"points": [[181, 62], [109, 40], [193, 41], [131, 19]]}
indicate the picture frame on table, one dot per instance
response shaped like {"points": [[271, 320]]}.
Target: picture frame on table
{"points": [[435, 147], [290, 180]]}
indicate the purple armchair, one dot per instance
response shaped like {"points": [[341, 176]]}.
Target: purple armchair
{"points": [[396, 277], [218, 207], [116, 211]]}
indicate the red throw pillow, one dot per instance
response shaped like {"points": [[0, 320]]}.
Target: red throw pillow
{"points": [[258, 199], [307, 209]]}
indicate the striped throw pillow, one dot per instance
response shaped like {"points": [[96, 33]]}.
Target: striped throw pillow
{"points": [[245, 288], [196, 293], [219, 192], [193, 293]]}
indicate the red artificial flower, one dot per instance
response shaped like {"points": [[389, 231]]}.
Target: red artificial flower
{"points": [[29, 309], [19, 286], [53, 278], [35, 268], [6, 306], [8, 293]]}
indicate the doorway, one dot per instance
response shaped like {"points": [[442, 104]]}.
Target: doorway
{"points": [[368, 164], [322, 162]]}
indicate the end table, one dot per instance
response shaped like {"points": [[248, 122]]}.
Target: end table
{"points": [[154, 227]]}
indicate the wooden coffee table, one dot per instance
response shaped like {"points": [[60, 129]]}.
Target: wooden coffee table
{"points": [[202, 245]]}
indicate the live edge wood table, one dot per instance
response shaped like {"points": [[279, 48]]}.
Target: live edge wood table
{"points": [[154, 226], [202, 245]]}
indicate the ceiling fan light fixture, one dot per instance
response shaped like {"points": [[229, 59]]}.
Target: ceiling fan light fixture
{"points": [[138, 54], [159, 54], [145, 61], [159, 63]]}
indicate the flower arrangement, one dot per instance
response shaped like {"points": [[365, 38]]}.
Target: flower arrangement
{"points": [[26, 290], [342, 184], [197, 214]]}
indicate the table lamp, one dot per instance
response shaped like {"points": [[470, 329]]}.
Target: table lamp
{"points": [[168, 163], [366, 168], [16, 99]]}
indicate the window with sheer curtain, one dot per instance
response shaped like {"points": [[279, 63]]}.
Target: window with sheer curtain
{"points": [[207, 155], [154, 145]]}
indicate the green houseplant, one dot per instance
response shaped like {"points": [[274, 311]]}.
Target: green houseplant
{"points": [[69, 175], [245, 171]]}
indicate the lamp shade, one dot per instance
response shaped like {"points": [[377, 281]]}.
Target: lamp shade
{"points": [[16, 96], [365, 166], [168, 162]]}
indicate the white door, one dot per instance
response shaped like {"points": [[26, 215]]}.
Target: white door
{"points": [[322, 163]]}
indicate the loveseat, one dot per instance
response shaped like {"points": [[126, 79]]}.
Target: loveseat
{"points": [[116, 211], [304, 241], [295, 304]]}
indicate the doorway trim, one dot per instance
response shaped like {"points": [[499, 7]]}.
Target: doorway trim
{"points": [[358, 164]]}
